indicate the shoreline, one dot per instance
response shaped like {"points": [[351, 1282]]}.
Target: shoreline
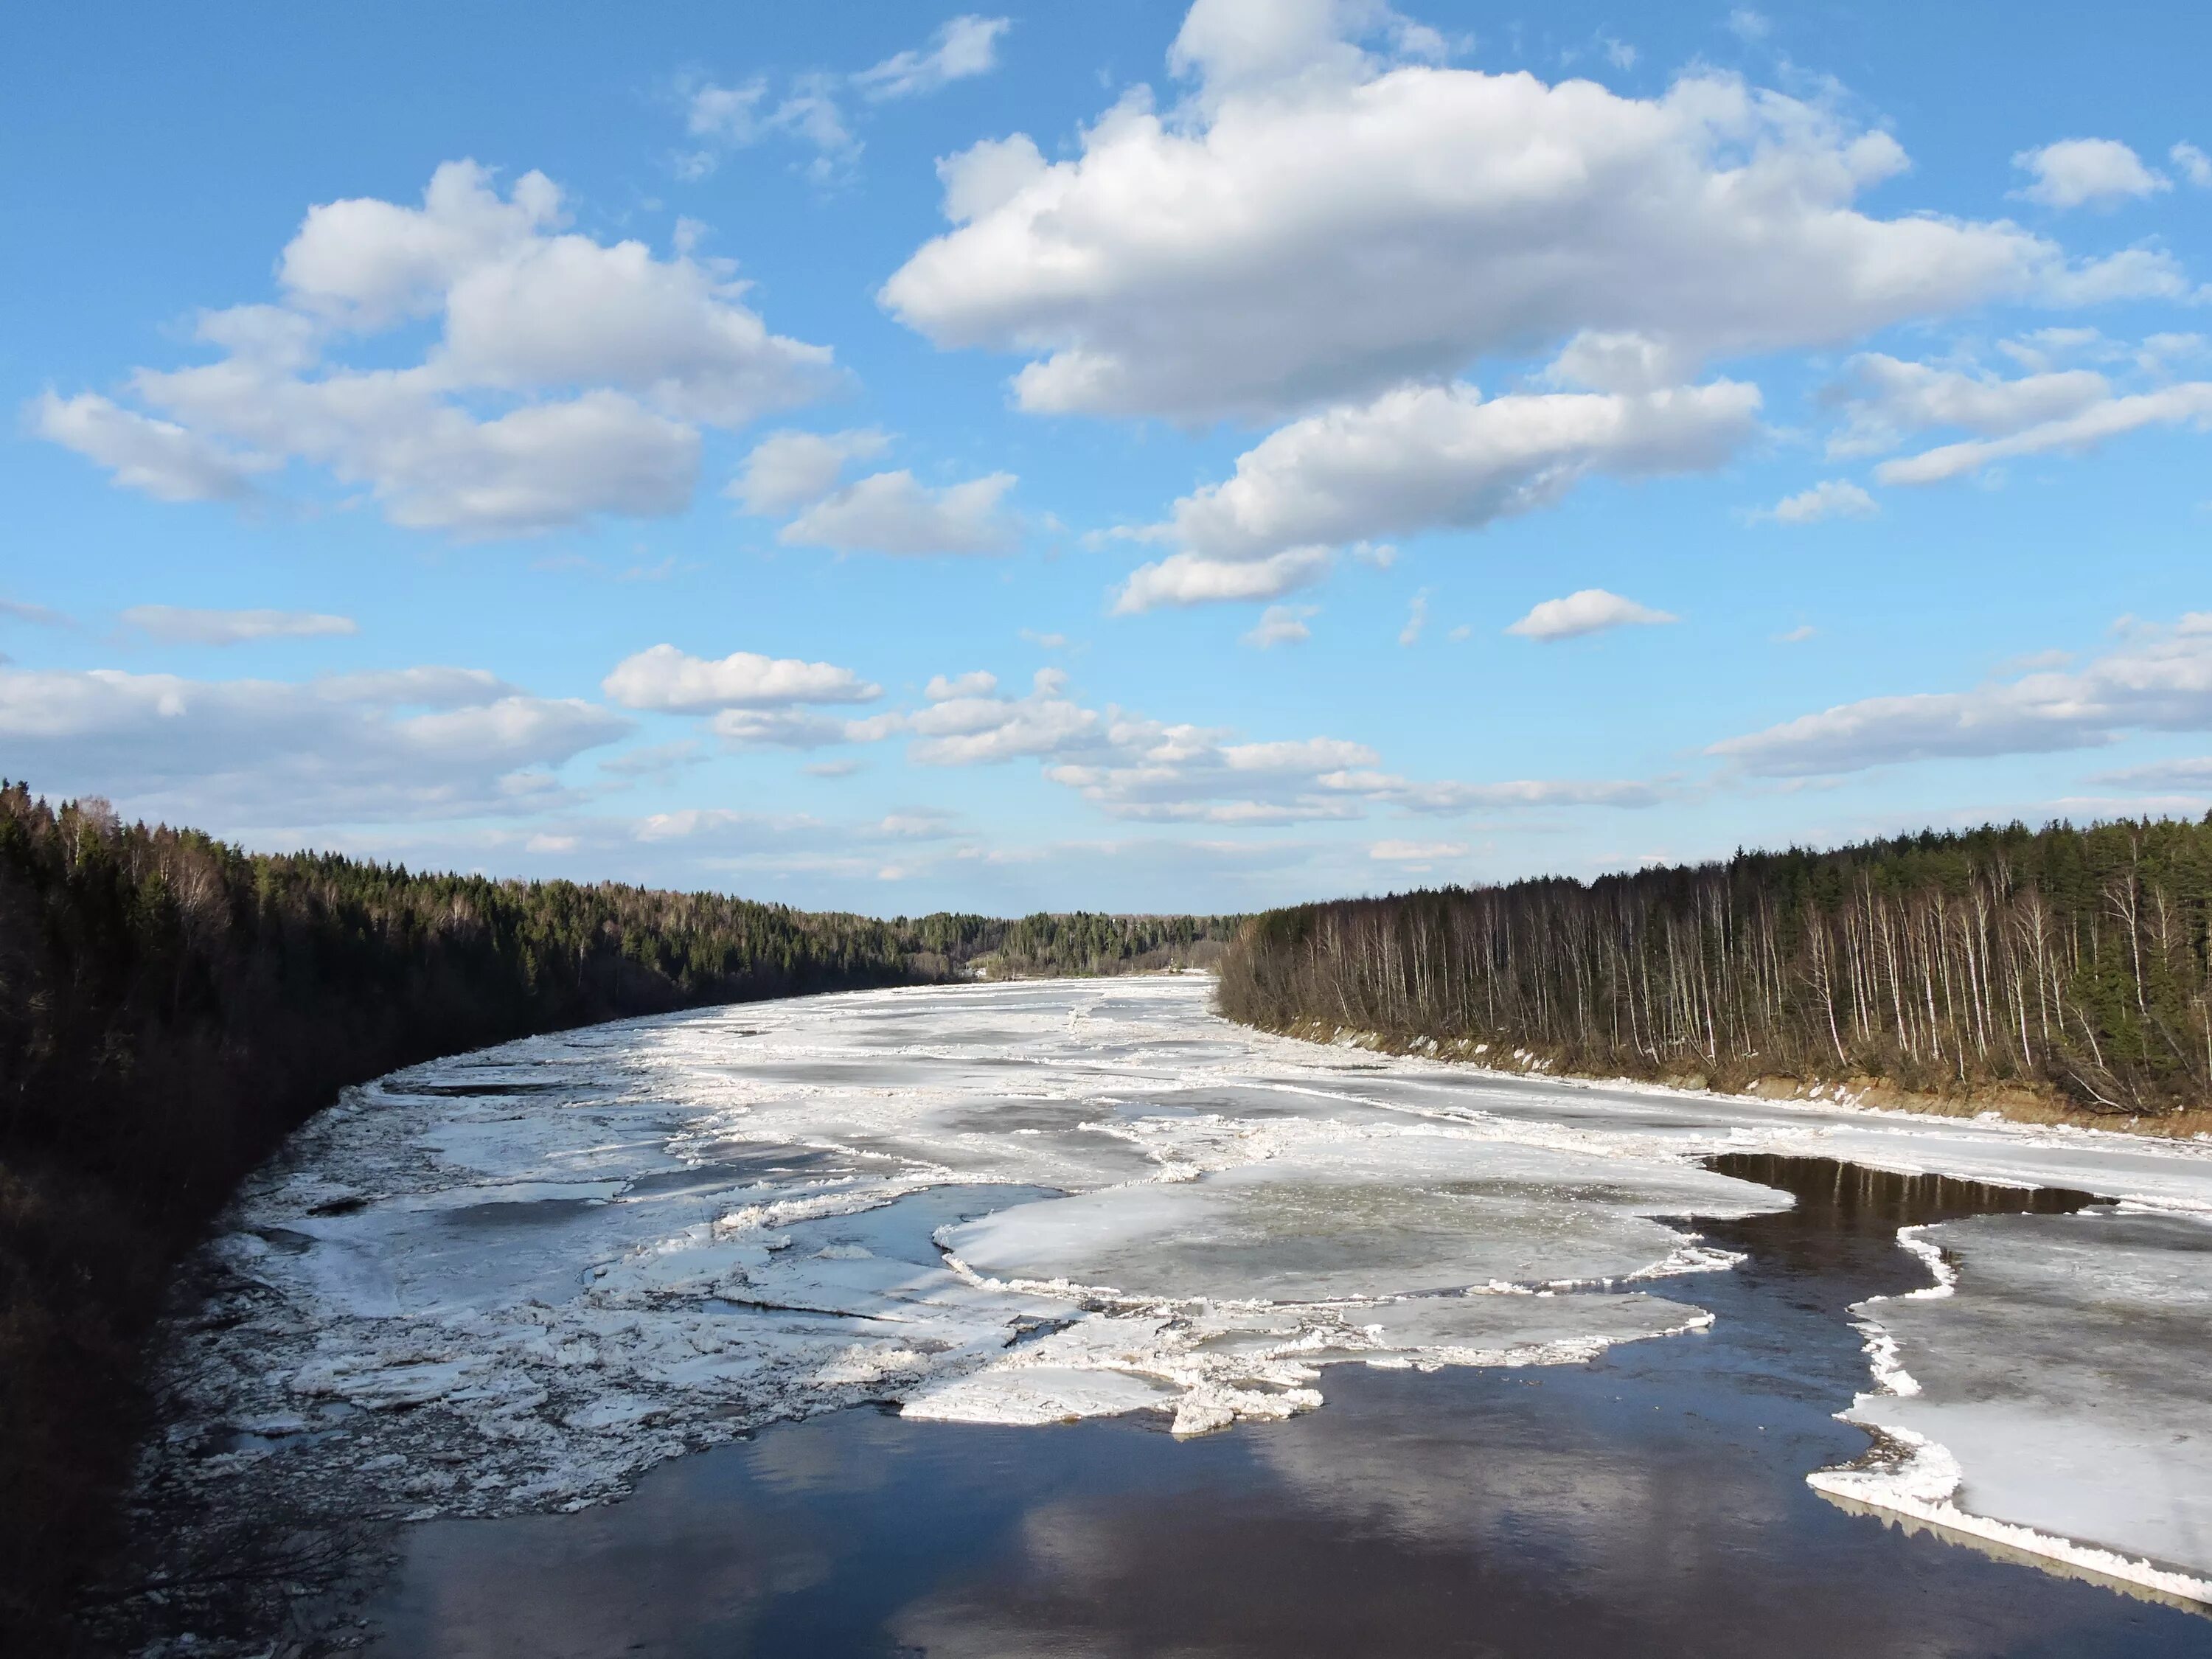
{"points": [[2014, 1103]]}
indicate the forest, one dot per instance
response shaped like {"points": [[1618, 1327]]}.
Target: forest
{"points": [[171, 1006], [2069, 963]]}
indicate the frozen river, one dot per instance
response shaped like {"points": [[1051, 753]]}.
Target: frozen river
{"points": [[480, 1299]]}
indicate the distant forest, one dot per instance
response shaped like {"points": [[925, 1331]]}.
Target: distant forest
{"points": [[171, 1006], [2072, 962]]}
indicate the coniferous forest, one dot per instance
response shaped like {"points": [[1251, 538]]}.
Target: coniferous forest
{"points": [[171, 1006], [2072, 962]]}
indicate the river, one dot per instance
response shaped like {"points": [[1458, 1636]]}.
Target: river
{"points": [[1068, 1318]]}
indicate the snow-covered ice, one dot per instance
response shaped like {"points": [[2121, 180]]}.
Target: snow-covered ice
{"points": [[2054, 1382], [513, 1279]]}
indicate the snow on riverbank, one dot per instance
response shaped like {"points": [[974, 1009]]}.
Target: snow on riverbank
{"points": [[515, 1279]]}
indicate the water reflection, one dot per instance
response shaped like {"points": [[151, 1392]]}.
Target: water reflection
{"points": [[1653, 1504]]}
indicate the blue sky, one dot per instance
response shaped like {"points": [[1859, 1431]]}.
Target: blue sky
{"points": [[1122, 456]]}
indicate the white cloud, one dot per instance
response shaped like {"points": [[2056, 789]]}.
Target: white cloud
{"points": [[789, 728], [1416, 618], [2087, 172], [967, 724], [40, 616], [1883, 399], [427, 688], [1319, 224], [1187, 579], [737, 117], [2189, 402], [569, 379], [1796, 635], [1588, 611], [967, 45], [1281, 624], [666, 678], [159, 458], [2194, 164], [1422, 458], [808, 109], [2194, 773], [787, 470], [987, 174], [234, 753], [1135, 768], [944, 687], [1417, 851], [2160, 680], [1832, 498], [182, 625], [893, 512], [1747, 25], [656, 761]]}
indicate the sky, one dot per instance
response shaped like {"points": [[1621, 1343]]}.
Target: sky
{"points": [[1125, 457]]}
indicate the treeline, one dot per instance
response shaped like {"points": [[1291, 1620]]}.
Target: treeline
{"points": [[171, 1006], [1047, 945], [2071, 961]]}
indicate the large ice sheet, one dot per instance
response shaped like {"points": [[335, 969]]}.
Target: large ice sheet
{"points": [[2054, 1383], [1360, 1215], [514, 1278]]}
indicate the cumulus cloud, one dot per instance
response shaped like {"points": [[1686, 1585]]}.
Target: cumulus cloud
{"points": [[787, 470], [1832, 498], [894, 513], [1281, 624], [570, 377], [1436, 456], [1884, 401], [1321, 221], [1590, 611], [159, 457], [1188, 578], [182, 625], [664, 678], [2189, 404], [2193, 164], [967, 723], [968, 46], [2086, 173], [2160, 680], [790, 728], [1419, 854], [234, 753], [1131, 766]]}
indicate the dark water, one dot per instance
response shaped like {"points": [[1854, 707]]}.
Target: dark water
{"points": [[1652, 1503]]}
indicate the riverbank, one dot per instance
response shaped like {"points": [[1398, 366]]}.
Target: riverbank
{"points": [[2014, 1103]]}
